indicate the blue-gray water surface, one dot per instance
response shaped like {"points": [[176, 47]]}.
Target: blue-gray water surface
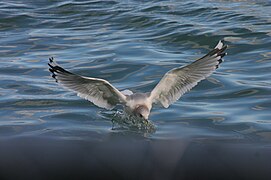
{"points": [[132, 44]]}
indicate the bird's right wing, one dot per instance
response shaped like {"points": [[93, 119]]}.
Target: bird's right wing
{"points": [[98, 91], [178, 81]]}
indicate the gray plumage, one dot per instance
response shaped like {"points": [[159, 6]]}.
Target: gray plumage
{"points": [[171, 87]]}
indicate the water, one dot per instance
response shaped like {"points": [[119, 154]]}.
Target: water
{"points": [[132, 44]]}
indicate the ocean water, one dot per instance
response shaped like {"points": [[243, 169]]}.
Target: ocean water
{"points": [[223, 124]]}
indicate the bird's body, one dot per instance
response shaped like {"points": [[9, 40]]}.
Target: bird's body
{"points": [[139, 104], [171, 87]]}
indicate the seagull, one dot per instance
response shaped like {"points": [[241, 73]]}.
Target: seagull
{"points": [[171, 87]]}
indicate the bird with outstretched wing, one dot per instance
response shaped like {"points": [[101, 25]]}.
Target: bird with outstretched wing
{"points": [[171, 87]]}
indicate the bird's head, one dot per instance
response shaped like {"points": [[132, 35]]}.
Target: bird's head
{"points": [[142, 111]]}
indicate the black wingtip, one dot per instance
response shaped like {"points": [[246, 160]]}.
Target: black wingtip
{"points": [[223, 48], [222, 54], [220, 61], [51, 70], [55, 69], [51, 59], [50, 66], [54, 76]]}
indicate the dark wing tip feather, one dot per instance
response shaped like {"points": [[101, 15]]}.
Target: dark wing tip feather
{"points": [[221, 53], [51, 66], [51, 59], [54, 76], [55, 69], [223, 49], [216, 51], [51, 70]]}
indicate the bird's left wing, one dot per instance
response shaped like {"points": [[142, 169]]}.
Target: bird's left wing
{"points": [[98, 91], [178, 81]]}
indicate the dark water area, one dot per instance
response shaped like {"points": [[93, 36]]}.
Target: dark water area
{"points": [[221, 129], [118, 157]]}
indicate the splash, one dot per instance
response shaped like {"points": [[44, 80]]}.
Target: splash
{"points": [[122, 120]]}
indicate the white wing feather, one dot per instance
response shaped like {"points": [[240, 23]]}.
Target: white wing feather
{"points": [[98, 91], [178, 81]]}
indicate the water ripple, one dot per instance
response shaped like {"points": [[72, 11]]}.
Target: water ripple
{"points": [[132, 44]]}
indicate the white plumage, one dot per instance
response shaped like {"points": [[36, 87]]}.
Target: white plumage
{"points": [[171, 87]]}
